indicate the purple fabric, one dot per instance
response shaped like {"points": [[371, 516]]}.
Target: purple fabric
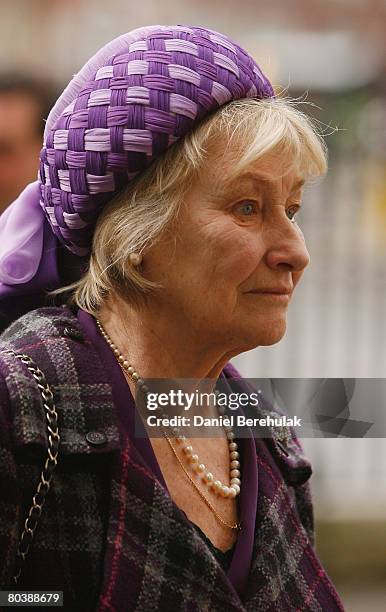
{"points": [[25, 230], [133, 99], [46, 277], [241, 561]]}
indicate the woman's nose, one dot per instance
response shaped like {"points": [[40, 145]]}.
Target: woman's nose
{"points": [[288, 250]]}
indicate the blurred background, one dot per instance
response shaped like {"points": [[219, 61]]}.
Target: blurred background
{"points": [[333, 53]]}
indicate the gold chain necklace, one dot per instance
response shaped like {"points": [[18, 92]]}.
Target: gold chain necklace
{"points": [[216, 486]]}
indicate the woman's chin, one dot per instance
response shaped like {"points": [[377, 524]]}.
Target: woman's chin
{"points": [[266, 334]]}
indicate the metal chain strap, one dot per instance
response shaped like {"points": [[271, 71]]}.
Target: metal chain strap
{"points": [[39, 498]]}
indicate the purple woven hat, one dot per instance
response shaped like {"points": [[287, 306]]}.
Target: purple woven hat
{"points": [[130, 102]]}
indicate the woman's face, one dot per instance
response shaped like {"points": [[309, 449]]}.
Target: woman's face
{"points": [[236, 257]]}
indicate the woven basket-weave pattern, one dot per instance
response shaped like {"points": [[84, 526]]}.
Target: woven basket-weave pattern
{"points": [[137, 105]]}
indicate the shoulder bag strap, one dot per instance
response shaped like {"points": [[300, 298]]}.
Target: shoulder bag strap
{"points": [[43, 487]]}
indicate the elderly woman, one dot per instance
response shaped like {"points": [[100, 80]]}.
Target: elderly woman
{"points": [[170, 180]]}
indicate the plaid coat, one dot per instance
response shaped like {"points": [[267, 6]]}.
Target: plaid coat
{"points": [[110, 536]]}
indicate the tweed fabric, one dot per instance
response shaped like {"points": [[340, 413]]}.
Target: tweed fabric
{"points": [[110, 536], [138, 102]]}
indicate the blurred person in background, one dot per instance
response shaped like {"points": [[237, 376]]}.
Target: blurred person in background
{"points": [[24, 105]]}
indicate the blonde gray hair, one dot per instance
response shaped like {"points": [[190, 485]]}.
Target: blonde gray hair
{"points": [[149, 205]]}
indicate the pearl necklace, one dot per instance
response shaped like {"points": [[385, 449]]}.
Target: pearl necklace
{"points": [[207, 478]]}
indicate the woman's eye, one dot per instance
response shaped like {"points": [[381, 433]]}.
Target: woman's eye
{"points": [[291, 212], [247, 208]]}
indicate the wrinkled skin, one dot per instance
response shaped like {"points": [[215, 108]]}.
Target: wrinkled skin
{"points": [[231, 241]]}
